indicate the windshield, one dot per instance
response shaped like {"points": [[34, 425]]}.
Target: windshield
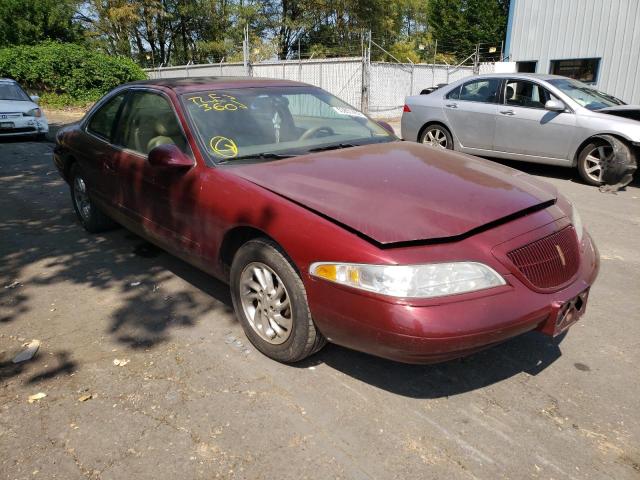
{"points": [[267, 123], [12, 91], [584, 95]]}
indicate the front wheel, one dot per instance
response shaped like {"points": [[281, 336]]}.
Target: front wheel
{"points": [[598, 154], [271, 303], [437, 136]]}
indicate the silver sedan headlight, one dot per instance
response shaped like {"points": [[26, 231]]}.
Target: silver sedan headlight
{"points": [[411, 281]]}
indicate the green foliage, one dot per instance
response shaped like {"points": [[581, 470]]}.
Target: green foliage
{"points": [[460, 24], [174, 32], [404, 51], [62, 101], [66, 73], [27, 22]]}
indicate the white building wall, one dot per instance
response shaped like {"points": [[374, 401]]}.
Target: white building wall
{"points": [[545, 30]]}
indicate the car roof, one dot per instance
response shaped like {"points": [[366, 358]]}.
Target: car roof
{"points": [[535, 76], [7, 80], [194, 84]]}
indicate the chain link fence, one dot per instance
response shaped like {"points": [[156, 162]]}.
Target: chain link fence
{"points": [[382, 85]]}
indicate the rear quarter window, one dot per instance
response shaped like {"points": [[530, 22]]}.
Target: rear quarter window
{"points": [[102, 121]]}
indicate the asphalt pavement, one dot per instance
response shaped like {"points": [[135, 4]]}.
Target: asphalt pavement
{"points": [[147, 373]]}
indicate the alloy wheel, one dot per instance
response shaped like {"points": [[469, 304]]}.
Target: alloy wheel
{"points": [[265, 302], [81, 198], [594, 160], [435, 137]]}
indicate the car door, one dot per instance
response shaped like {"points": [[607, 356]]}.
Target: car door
{"points": [[98, 152], [161, 201], [471, 111], [524, 126]]}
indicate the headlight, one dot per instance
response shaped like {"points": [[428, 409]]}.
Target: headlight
{"points": [[577, 222], [34, 112], [411, 281]]}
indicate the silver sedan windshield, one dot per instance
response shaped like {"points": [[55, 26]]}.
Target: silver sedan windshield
{"points": [[584, 95]]}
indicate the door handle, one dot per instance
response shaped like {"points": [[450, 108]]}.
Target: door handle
{"points": [[452, 105], [507, 112]]}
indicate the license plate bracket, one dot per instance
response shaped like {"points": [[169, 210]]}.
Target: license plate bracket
{"points": [[565, 314]]}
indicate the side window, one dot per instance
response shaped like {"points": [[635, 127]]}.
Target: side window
{"points": [[148, 121], [485, 90], [102, 121], [454, 94], [522, 93]]}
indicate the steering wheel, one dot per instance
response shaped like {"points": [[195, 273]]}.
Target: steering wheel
{"points": [[314, 131]]}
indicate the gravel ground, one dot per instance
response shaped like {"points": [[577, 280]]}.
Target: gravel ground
{"points": [[191, 398]]}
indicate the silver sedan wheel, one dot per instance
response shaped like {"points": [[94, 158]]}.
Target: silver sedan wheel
{"points": [[81, 198], [594, 159], [265, 302], [435, 137]]}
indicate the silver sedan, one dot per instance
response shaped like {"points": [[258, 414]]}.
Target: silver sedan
{"points": [[531, 117]]}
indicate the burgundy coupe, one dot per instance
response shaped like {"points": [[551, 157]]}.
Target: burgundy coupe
{"points": [[325, 225]]}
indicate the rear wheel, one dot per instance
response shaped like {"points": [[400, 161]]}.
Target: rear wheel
{"points": [[437, 136], [90, 216], [596, 154], [271, 303]]}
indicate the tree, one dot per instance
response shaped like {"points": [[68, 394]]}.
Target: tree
{"points": [[27, 22], [459, 25]]}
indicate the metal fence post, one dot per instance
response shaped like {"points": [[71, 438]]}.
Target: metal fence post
{"points": [[366, 72], [299, 62], [433, 66], [476, 60], [411, 82], [245, 52]]}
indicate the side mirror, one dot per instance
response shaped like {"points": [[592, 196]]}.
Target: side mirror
{"points": [[169, 156], [386, 126], [555, 106], [35, 98]]}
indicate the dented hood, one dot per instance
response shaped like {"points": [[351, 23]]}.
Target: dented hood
{"points": [[401, 191], [626, 111]]}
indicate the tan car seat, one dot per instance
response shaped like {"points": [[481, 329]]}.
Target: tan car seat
{"points": [[167, 132]]}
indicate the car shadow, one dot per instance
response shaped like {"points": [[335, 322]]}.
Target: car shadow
{"points": [[42, 246], [530, 353]]}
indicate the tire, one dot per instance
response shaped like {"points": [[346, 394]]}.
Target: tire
{"points": [[437, 136], [602, 145], [91, 217], [297, 336]]}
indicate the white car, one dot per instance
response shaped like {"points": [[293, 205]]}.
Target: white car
{"points": [[19, 113]]}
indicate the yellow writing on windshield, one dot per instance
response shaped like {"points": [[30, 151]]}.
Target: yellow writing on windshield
{"points": [[223, 146], [218, 103]]}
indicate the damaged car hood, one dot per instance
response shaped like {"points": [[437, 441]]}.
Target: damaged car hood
{"points": [[626, 111], [401, 191]]}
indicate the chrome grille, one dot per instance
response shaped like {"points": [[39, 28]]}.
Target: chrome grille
{"points": [[550, 261]]}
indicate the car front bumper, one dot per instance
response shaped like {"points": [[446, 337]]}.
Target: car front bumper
{"points": [[449, 328], [21, 125]]}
